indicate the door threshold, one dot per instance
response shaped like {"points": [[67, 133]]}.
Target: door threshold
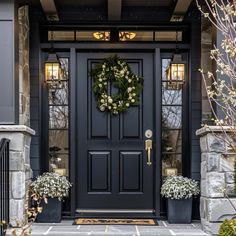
{"points": [[118, 211]]}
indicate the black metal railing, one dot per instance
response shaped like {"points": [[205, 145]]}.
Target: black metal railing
{"points": [[4, 185]]}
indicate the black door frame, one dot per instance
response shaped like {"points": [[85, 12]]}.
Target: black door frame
{"points": [[72, 49]]}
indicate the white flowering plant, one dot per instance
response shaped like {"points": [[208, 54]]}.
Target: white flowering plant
{"points": [[179, 187], [50, 185], [115, 71]]}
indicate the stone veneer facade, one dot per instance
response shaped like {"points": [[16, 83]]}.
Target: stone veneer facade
{"points": [[24, 76], [20, 171], [217, 173]]}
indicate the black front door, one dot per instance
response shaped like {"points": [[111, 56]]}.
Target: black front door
{"points": [[112, 170]]}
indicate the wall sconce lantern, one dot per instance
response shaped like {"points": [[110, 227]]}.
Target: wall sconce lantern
{"points": [[176, 69], [52, 68]]}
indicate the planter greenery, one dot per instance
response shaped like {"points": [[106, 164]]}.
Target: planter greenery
{"points": [[228, 228], [179, 191], [52, 188]]}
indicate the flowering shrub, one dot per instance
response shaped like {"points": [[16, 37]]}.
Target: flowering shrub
{"points": [[51, 185], [179, 187]]}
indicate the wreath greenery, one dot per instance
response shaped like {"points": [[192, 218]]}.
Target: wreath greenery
{"points": [[113, 71]]}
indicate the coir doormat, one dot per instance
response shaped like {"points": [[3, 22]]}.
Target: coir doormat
{"points": [[100, 221]]}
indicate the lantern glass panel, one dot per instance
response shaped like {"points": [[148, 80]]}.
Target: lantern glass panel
{"points": [[177, 72], [52, 71]]}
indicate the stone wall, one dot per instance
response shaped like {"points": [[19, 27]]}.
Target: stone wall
{"points": [[217, 174], [20, 171]]}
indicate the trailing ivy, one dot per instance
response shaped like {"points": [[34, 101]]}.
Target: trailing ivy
{"points": [[113, 71]]}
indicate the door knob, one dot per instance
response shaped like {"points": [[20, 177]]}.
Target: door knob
{"points": [[148, 148]]}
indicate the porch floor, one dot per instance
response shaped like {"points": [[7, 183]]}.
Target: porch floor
{"points": [[66, 228]]}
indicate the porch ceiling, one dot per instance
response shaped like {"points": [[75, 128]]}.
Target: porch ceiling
{"points": [[100, 3], [107, 5]]}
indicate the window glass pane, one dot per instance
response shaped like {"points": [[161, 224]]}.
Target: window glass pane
{"points": [[93, 35], [171, 141], [165, 66], [58, 117], [61, 35], [171, 96], [171, 162], [168, 36], [58, 141], [171, 117], [58, 93], [60, 164], [136, 35], [64, 68]]}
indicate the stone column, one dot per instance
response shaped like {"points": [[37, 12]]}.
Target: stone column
{"points": [[20, 171], [24, 76], [217, 173]]}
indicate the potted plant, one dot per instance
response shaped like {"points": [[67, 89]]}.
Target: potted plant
{"points": [[51, 188], [179, 191]]}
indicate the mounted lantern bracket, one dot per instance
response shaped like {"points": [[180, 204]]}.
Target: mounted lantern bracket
{"points": [[52, 68], [175, 73]]}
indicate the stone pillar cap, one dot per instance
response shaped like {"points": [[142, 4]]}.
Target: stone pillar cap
{"points": [[17, 128], [215, 129]]}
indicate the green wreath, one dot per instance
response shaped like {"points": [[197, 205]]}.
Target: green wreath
{"points": [[115, 71]]}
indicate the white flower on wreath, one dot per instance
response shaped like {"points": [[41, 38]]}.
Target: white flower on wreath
{"points": [[129, 89], [110, 100], [127, 104], [122, 72], [129, 80], [133, 101], [102, 108]]}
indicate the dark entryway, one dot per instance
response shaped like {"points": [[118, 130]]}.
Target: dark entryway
{"points": [[112, 171]]}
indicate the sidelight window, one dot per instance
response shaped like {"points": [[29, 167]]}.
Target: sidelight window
{"points": [[58, 122], [172, 123]]}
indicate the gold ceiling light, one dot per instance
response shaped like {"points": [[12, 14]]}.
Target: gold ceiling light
{"points": [[102, 35], [105, 35], [125, 35]]}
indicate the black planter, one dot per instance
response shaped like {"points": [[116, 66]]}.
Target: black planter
{"points": [[51, 211], [179, 211]]}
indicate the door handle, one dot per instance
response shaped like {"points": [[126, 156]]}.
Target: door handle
{"points": [[148, 148]]}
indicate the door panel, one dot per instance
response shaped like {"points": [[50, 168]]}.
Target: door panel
{"points": [[112, 164], [99, 172], [131, 172]]}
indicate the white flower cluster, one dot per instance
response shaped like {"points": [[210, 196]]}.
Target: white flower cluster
{"points": [[179, 187], [51, 185]]}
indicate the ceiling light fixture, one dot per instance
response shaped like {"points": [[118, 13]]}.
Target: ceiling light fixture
{"points": [[105, 35], [102, 35], [126, 35]]}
